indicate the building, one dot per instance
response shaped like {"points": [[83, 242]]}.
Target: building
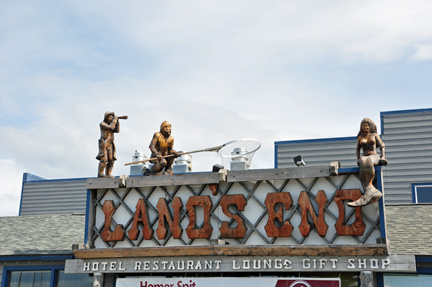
{"points": [[243, 227], [33, 249]]}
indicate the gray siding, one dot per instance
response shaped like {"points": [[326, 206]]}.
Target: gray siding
{"points": [[408, 142], [317, 152], [408, 139], [53, 197]]}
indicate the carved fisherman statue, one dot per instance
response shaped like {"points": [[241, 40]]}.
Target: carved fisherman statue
{"points": [[368, 141], [160, 146], [107, 151]]}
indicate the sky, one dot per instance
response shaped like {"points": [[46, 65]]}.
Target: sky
{"points": [[216, 70]]}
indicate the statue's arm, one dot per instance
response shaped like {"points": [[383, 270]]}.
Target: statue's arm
{"points": [[111, 126], [153, 144], [381, 145], [171, 148], [358, 148], [117, 125]]}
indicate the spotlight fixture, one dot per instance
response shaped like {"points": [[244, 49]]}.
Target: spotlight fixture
{"points": [[299, 161]]}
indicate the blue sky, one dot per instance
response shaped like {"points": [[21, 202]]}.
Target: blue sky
{"points": [[217, 70]]}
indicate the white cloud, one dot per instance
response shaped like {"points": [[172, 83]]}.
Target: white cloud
{"points": [[217, 71], [10, 193], [423, 52]]}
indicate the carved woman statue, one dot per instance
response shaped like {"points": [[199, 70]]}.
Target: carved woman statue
{"points": [[368, 141]]}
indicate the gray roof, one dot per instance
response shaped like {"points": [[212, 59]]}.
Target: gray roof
{"points": [[409, 228], [41, 234]]}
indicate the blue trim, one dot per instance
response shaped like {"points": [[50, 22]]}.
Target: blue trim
{"points": [[52, 268], [87, 215], [380, 279], [378, 172], [275, 155], [422, 270], [22, 192], [316, 140], [427, 259], [382, 123], [36, 258], [406, 111], [349, 170], [423, 259], [413, 185], [413, 189]]}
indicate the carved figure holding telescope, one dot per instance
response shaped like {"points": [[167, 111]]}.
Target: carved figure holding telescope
{"points": [[368, 140], [160, 146], [107, 150]]}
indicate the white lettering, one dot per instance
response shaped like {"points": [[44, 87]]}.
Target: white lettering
{"points": [[351, 263], [374, 263], [267, 264], [322, 263], [362, 264], [208, 265], [121, 268], [171, 266], [306, 263], [146, 265], [155, 265], [113, 266], [278, 263], [246, 264], [234, 266], [182, 267], [288, 264], [164, 264], [218, 262], [86, 266], [137, 265], [95, 266], [104, 266], [333, 261], [385, 263], [189, 264], [256, 264]]}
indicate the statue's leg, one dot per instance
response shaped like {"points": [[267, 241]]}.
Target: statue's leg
{"points": [[101, 168], [367, 174], [158, 166], [110, 161], [109, 168], [168, 167]]}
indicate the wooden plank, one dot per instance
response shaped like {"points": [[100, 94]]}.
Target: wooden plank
{"points": [[176, 179], [279, 173], [103, 182], [379, 249], [218, 264]]}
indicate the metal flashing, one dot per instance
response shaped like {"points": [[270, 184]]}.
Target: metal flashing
{"points": [[407, 111]]}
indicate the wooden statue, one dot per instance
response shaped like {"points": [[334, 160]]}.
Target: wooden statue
{"points": [[161, 146], [107, 151], [368, 140]]}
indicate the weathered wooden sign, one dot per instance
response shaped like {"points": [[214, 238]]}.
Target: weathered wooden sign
{"points": [[170, 223], [306, 205], [194, 264]]}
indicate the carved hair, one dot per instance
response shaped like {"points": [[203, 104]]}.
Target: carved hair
{"points": [[108, 114], [164, 124], [372, 126]]}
